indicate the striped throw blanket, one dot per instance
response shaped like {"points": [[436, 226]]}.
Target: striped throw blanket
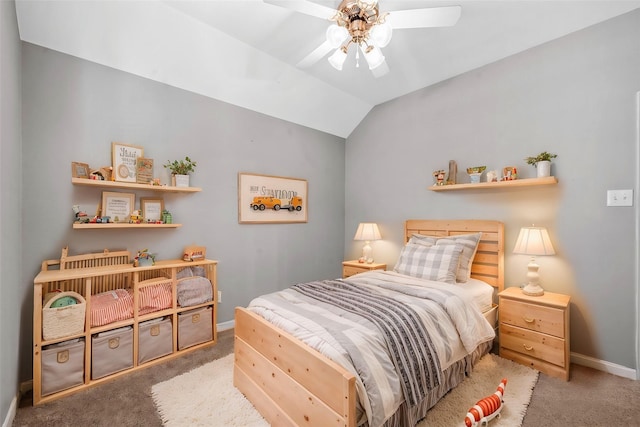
{"points": [[410, 346]]}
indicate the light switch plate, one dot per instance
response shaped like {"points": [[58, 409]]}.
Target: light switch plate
{"points": [[619, 197]]}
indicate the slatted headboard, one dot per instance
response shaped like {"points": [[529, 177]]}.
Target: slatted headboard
{"points": [[488, 264]]}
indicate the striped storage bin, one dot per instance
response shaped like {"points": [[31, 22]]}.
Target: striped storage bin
{"points": [[111, 306], [154, 295]]}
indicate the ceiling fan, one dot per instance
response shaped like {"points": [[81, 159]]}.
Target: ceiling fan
{"points": [[360, 23]]}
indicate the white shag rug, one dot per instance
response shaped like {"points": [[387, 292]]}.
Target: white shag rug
{"points": [[206, 396]]}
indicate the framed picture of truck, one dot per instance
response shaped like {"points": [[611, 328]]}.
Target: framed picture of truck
{"points": [[271, 199]]}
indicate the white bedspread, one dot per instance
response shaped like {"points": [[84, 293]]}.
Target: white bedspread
{"points": [[457, 328]]}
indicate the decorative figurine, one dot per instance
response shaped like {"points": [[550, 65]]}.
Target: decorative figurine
{"points": [[439, 176], [144, 258], [486, 409]]}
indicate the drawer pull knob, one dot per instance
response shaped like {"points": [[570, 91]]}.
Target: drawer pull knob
{"points": [[528, 319], [527, 347]]}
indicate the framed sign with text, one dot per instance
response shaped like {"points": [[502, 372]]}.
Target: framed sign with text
{"points": [[271, 199], [124, 162]]}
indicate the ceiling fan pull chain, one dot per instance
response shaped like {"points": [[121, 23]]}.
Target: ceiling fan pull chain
{"points": [[357, 58]]}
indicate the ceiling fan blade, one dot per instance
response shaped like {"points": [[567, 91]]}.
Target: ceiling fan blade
{"points": [[306, 7], [428, 17], [317, 54]]}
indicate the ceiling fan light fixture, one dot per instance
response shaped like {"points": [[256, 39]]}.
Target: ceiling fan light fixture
{"points": [[380, 35], [336, 35], [374, 57], [337, 59]]}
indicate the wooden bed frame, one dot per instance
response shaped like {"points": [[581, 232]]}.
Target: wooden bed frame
{"points": [[292, 384]]}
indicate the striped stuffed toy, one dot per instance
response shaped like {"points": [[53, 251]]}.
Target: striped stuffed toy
{"points": [[486, 409]]}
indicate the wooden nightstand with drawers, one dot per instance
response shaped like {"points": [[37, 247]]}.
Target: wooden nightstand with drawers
{"points": [[534, 331], [349, 268]]}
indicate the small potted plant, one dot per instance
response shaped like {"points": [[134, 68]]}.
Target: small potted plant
{"points": [[180, 170], [542, 162]]}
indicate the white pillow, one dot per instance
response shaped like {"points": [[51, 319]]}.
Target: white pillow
{"points": [[439, 263], [469, 244]]}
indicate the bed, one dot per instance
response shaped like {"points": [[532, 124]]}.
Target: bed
{"points": [[295, 374]]}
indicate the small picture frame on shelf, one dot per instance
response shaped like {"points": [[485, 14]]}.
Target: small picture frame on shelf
{"points": [[509, 173], [117, 206], [144, 170], [124, 158], [80, 170], [151, 208]]}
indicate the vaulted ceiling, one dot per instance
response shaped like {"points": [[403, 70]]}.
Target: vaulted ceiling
{"points": [[245, 52]]}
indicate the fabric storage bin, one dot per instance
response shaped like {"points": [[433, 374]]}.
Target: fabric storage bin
{"points": [[154, 295], [194, 290], [111, 306], [111, 351], [58, 322], [155, 339], [194, 327], [62, 366]]}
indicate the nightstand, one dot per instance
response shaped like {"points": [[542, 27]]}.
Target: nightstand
{"points": [[349, 268], [534, 331]]}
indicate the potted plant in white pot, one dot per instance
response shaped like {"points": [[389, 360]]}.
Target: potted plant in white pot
{"points": [[180, 170], [542, 162]]}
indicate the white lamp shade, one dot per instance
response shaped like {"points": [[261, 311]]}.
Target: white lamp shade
{"points": [[367, 231], [374, 57], [534, 241], [380, 35], [336, 35], [337, 59]]}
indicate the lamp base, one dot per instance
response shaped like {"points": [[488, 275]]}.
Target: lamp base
{"points": [[533, 290]]}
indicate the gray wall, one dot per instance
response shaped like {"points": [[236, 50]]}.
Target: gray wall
{"points": [[72, 111], [576, 97], [11, 286]]}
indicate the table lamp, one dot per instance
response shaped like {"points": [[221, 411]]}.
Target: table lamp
{"points": [[533, 241], [367, 231]]}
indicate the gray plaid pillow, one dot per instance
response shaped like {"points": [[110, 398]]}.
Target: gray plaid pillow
{"points": [[469, 243], [439, 263]]}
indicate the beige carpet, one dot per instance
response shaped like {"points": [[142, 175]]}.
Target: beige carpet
{"points": [[206, 396]]}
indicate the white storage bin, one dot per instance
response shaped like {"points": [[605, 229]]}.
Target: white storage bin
{"points": [[194, 327], [111, 351], [62, 366], [155, 339]]}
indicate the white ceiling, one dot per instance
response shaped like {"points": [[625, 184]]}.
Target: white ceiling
{"points": [[245, 52]]}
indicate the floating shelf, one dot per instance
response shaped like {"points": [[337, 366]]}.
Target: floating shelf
{"points": [[529, 182], [133, 186], [112, 225]]}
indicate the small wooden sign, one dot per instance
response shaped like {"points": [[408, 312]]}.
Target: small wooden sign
{"points": [[144, 170]]}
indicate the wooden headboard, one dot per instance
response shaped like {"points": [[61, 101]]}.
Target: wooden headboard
{"points": [[488, 264]]}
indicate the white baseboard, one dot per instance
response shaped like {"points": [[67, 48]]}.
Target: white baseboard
{"points": [[11, 413], [601, 365], [224, 326]]}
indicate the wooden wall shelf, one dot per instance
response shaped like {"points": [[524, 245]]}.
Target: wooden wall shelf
{"points": [[133, 186], [112, 225], [529, 182]]}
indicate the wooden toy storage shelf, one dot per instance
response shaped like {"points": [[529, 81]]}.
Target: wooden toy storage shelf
{"points": [[89, 281]]}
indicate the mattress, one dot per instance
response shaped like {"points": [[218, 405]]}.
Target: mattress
{"points": [[480, 292]]}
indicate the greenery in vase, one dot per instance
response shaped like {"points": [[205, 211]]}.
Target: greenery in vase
{"points": [[181, 167], [544, 156]]}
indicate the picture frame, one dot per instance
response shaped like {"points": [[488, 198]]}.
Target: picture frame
{"points": [[271, 199], [80, 170], [151, 208], [117, 206], [144, 170], [123, 159]]}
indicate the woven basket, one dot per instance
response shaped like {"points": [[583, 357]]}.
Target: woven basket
{"points": [[63, 321]]}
